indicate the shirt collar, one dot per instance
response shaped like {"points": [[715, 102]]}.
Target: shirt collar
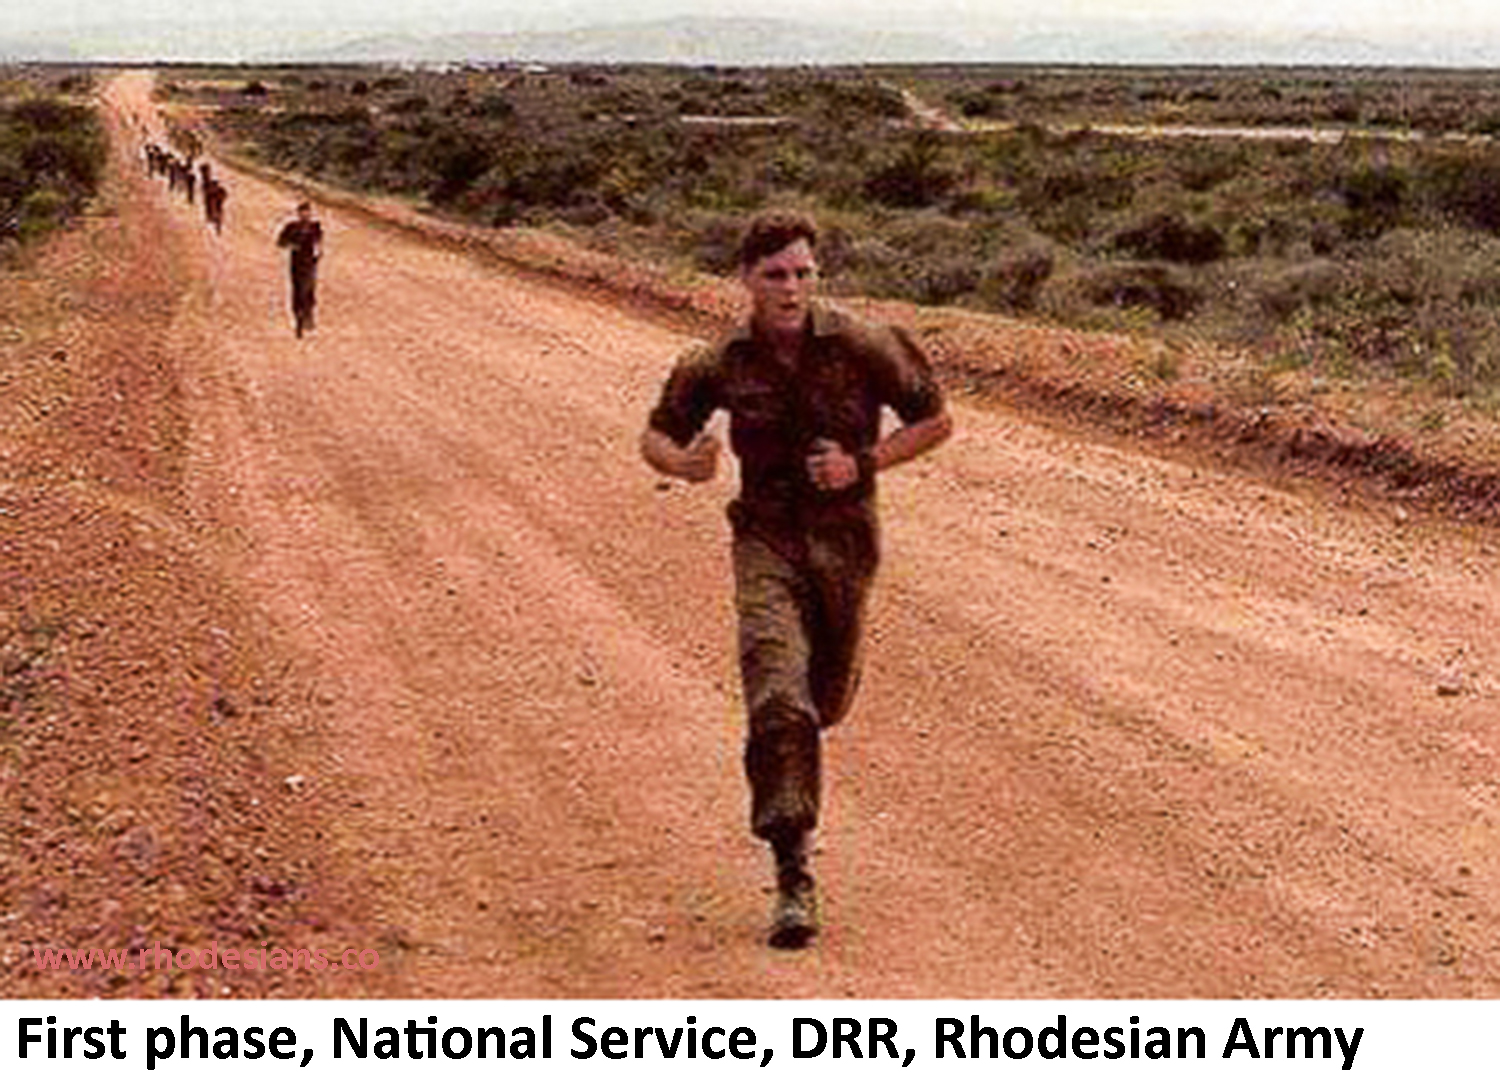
{"points": [[825, 323]]}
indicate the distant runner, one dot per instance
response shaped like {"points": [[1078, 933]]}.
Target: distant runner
{"points": [[214, 196], [305, 238], [804, 385]]}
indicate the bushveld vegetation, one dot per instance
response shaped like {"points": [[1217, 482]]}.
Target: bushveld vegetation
{"points": [[1374, 254], [52, 154], [1433, 101]]}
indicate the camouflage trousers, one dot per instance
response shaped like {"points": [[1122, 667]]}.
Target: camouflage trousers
{"points": [[800, 625], [304, 292]]}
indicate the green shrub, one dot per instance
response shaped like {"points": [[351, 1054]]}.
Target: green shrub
{"points": [[917, 177], [942, 281], [492, 106], [44, 114], [1323, 238], [718, 245], [1014, 281], [1466, 188], [41, 211], [1152, 286], [1374, 198], [1345, 110], [13, 182], [457, 163], [409, 106], [1280, 295], [872, 257], [854, 101], [1169, 237], [980, 104], [319, 118], [1203, 164], [52, 155], [1066, 192]]}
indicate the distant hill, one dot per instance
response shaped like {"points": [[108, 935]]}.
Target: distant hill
{"points": [[686, 40], [1189, 46], [757, 42], [701, 40]]}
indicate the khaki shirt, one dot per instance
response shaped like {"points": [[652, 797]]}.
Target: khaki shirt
{"points": [[303, 237], [846, 371]]}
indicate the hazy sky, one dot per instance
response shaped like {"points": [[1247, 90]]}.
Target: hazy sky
{"points": [[1381, 18], [1440, 31]]}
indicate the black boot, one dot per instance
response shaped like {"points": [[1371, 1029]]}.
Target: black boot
{"points": [[794, 918]]}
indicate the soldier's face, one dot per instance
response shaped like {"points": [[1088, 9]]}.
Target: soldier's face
{"points": [[781, 288]]}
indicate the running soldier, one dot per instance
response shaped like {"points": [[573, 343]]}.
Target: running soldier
{"points": [[804, 385], [305, 238], [214, 196]]}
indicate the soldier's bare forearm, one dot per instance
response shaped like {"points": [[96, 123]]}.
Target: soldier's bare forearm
{"points": [[696, 463], [911, 441], [660, 452]]}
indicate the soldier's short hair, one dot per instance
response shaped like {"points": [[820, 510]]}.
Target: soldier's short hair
{"points": [[775, 231]]}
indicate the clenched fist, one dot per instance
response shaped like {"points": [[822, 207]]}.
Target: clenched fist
{"points": [[829, 467], [700, 460]]}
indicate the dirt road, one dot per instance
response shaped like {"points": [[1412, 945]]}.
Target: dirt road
{"points": [[936, 118], [1129, 726]]}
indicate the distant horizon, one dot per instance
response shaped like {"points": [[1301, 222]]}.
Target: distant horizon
{"points": [[136, 63], [731, 39]]}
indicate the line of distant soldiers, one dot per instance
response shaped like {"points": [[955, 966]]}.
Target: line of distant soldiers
{"points": [[181, 176]]}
